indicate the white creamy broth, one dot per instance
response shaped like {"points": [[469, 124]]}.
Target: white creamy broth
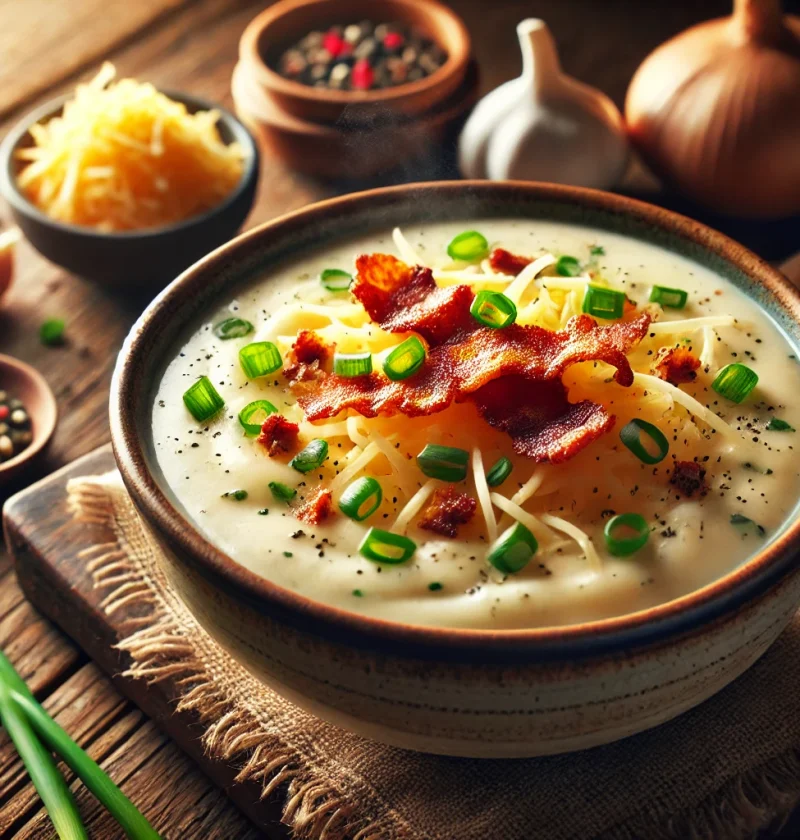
{"points": [[692, 540]]}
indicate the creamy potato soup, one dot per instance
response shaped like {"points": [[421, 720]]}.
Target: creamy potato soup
{"points": [[608, 427]]}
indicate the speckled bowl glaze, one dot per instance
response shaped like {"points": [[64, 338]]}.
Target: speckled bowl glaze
{"points": [[458, 692]]}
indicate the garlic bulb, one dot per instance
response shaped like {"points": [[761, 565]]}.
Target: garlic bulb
{"points": [[544, 126], [716, 111]]}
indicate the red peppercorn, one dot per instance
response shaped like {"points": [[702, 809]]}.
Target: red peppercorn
{"points": [[393, 40], [4, 412], [363, 75], [333, 43]]}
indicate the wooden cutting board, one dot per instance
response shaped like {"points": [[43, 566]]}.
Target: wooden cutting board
{"points": [[45, 542]]}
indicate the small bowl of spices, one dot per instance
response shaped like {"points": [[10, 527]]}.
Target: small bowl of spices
{"points": [[28, 416], [361, 59]]}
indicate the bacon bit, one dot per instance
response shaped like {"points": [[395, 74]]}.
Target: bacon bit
{"points": [[506, 262], [309, 352], [278, 434], [317, 507], [689, 478], [447, 510], [676, 365]]}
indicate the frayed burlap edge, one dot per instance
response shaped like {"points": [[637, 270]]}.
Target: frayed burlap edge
{"points": [[161, 648]]}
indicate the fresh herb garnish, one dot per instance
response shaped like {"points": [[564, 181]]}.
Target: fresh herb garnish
{"points": [[236, 495], [435, 586], [51, 332], [739, 519], [777, 425]]}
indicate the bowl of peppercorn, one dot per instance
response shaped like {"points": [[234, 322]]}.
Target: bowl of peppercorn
{"points": [[363, 59], [28, 416]]}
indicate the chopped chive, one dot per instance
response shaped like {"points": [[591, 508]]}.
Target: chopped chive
{"points": [[260, 358], [597, 251], [352, 364], [443, 462], [51, 332], [312, 457], [672, 298], [603, 303], [232, 328], [568, 267], [777, 425], [405, 360], [735, 382], [282, 492], [336, 280], [469, 246], [288, 554], [513, 549], [493, 309], [435, 586], [361, 498], [236, 495], [739, 519], [631, 436], [624, 546], [358, 593], [260, 409], [499, 472], [385, 547], [203, 400]]}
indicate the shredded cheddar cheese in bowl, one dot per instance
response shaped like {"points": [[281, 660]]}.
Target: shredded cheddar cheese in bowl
{"points": [[123, 156]]}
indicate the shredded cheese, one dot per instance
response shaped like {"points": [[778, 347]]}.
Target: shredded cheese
{"points": [[413, 507], [406, 249], [516, 290], [534, 525], [484, 495], [580, 537], [691, 324]]}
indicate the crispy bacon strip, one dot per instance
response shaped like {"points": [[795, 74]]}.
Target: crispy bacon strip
{"points": [[689, 478], [446, 510], [508, 263], [676, 365], [307, 356], [317, 506], [278, 434]]}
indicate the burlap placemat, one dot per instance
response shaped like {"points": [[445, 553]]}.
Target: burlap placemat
{"points": [[724, 770]]}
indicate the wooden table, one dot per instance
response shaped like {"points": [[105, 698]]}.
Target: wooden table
{"points": [[45, 47]]}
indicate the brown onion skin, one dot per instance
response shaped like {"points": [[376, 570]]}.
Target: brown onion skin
{"points": [[715, 112]]}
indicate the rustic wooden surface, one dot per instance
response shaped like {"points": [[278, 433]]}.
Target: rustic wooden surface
{"points": [[45, 47]]}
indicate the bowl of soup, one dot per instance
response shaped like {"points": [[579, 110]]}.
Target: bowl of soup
{"points": [[481, 469]]}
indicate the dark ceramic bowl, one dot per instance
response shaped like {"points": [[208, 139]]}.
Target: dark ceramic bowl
{"points": [[147, 258], [456, 691]]}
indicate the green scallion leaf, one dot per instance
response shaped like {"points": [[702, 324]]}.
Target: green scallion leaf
{"points": [[352, 364], [513, 549], [777, 425], [336, 280], [623, 546], [252, 416], [493, 309], [236, 495], [739, 519], [735, 382], [361, 498], [358, 593], [671, 298], [385, 547], [203, 400], [405, 360], [603, 303], [282, 492], [469, 246], [435, 586], [597, 251], [260, 358], [499, 472], [631, 436], [446, 463], [312, 457], [232, 328], [51, 332], [568, 267]]}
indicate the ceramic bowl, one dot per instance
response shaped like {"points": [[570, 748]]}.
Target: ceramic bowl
{"points": [[456, 691], [284, 23], [25, 383], [130, 259]]}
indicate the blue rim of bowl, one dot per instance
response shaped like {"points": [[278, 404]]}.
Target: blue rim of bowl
{"points": [[11, 192]]}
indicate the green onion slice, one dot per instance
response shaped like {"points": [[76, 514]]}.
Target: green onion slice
{"points": [[260, 358], [51, 332], [603, 303], [777, 425], [312, 457], [740, 519], [672, 298], [259, 409], [443, 462], [385, 547], [624, 546], [352, 364], [499, 472], [361, 498], [436, 586], [513, 549], [236, 495], [735, 382], [336, 280], [493, 309], [631, 436], [568, 267], [405, 360], [232, 328], [203, 400], [469, 246], [282, 492]]}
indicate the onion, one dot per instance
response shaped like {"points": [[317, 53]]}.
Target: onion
{"points": [[716, 111]]}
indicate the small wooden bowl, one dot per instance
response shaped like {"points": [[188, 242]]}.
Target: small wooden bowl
{"points": [[27, 384], [283, 24]]}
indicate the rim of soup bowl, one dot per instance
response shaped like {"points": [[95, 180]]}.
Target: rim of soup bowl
{"points": [[616, 634]]}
